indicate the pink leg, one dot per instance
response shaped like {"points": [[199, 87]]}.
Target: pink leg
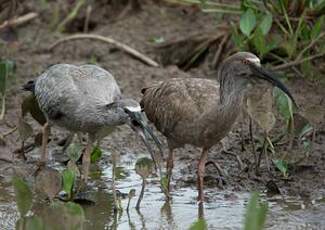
{"points": [[170, 166], [45, 138], [86, 160], [200, 174]]}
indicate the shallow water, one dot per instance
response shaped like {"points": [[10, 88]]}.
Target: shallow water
{"points": [[224, 210]]}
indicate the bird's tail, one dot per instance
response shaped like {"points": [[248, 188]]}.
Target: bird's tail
{"points": [[29, 86]]}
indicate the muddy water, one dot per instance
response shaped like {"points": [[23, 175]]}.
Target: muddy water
{"points": [[225, 209]]}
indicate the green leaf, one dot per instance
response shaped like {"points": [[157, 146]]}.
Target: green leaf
{"points": [[30, 223], [283, 104], [266, 24], [96, 154], [305, 130], [74, 151], [255, 213], [259, 42], [75, 209], [200, 224], [157, 40], [164, 183], [68, 177], [24, 129], [282, 166], [247, 22], [144, 167], [317, 28], [6, 69], [120, 173], [23, 195]]}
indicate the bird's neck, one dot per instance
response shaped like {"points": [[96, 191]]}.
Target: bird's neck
{"points": [[228, 107]]}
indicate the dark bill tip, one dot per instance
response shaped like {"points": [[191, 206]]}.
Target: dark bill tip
{"points": [[145, 132], [272, 78]]}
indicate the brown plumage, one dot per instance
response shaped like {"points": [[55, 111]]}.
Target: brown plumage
{"points": [[199, 111]]}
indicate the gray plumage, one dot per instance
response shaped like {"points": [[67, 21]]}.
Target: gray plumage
{"points": [[85, 99], [77, 98]]}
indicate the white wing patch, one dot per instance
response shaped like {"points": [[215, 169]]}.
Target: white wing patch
{"points": [[134, 108], [254, 60]]}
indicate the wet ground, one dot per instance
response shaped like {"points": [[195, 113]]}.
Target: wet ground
{"points": [[301, 205]]}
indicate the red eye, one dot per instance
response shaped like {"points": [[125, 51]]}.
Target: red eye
{"points": [[245, 61]]}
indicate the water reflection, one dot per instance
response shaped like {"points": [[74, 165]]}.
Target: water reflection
{"points": [[182, 213]]}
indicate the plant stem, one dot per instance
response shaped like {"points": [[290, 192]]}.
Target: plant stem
{"points": [[71, 16], [311, 44], [113, 183], [141, 194], [298, 62], [3, 107], [286, 17]]}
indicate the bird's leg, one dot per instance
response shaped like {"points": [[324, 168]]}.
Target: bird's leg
{"points": [[86, 160], [45, 138], [170, 166], [200, 174]]}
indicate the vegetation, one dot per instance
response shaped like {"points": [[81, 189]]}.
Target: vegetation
{"points": [[143, 167]]}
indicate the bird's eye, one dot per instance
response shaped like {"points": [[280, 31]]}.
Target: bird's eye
{"points": [[126, 110], [245, 61]]}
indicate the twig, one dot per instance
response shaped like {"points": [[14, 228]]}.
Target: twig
{"points": [[88, 12], [285, 61], [71, 16], [311, 44], [18, 21], [221, 46], [3, 107], [109, 40], [9, 132], [297, 62]]}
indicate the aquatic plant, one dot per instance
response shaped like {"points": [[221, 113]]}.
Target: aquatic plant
{"points": [[143, 167]]}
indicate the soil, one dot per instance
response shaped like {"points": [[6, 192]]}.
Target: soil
{"points": [[28, 44]]}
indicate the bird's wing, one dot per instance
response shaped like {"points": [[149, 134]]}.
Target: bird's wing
{"points": [[70, 89], [179, 100]]}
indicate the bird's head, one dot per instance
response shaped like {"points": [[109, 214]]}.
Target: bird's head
{"points": [[130, 112], [244, 68]]}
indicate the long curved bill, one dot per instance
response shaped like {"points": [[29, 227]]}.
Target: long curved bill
{"points": [[262, 73], [140, 126]]}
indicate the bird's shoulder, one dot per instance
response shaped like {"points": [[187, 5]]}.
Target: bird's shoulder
{"points": [[90, 82], [178, 100], [181, 93]]}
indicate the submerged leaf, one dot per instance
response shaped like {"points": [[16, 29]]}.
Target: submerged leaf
{"points": [[144, 167], [49, 182], [23, 195], [199, 224]]}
